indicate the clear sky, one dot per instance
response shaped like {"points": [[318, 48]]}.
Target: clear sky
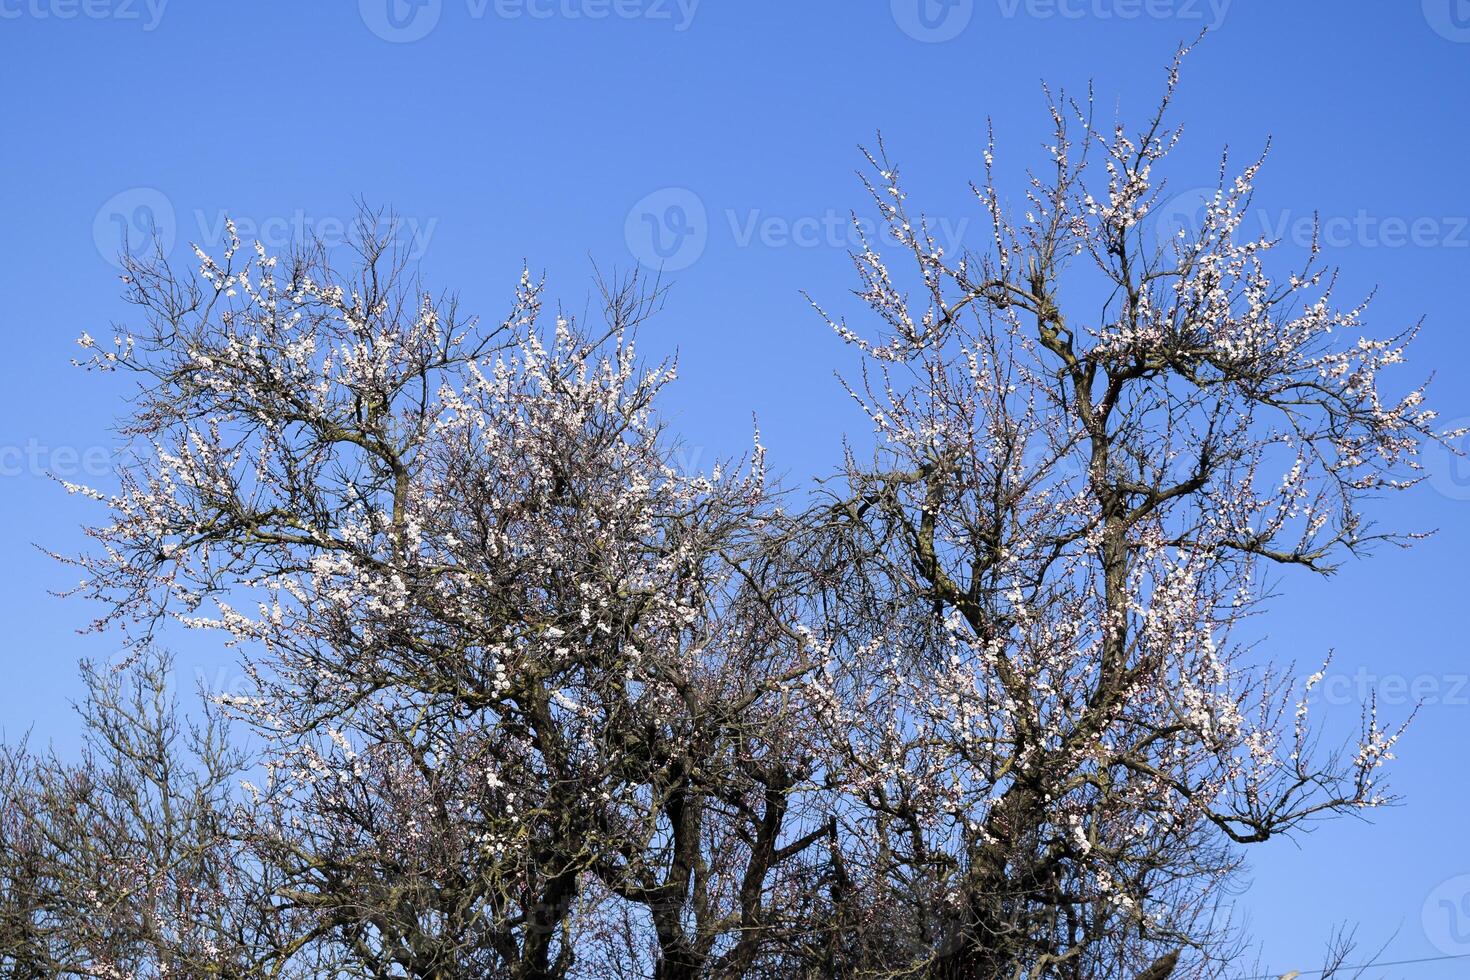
{"points": [[719, 138]]}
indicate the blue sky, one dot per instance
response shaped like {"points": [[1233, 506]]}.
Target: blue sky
{"points": [[720, 138]]}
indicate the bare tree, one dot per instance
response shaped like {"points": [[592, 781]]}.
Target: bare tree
{"points": [[129, 863]]}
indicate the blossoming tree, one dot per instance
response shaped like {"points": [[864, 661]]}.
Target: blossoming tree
{"points": [[526, 700], [508, 665], [1090, 442]]}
